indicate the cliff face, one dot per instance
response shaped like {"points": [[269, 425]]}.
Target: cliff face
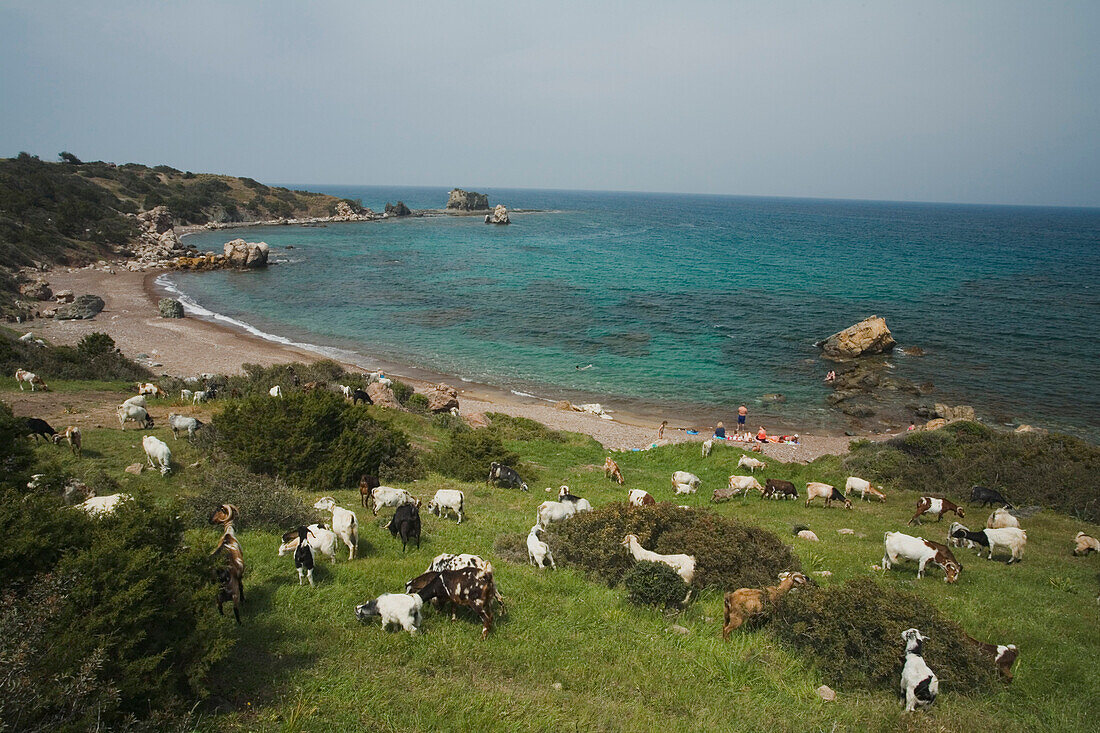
{"points": [[460, 200]]}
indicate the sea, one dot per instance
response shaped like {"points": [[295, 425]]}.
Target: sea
{"points": [[690, 305]]}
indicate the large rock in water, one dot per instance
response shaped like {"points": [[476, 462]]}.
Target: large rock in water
{"points": [[84, 307], [398, 209], [442, 398], [383, 396], [170, 308], [240, 253], [869, 336], [460, 200], [499, 216]]}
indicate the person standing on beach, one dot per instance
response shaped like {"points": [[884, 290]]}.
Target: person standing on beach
{"points": [[742, 413], [661, 430]]}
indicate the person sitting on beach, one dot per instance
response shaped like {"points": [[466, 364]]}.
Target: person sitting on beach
{"points": [[912, 426], [762, 435], [720, 431]]}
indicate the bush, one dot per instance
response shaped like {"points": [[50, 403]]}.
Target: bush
{"points": [[1055, 471], [94, 358], [263, 501], [853, 632], [258, 380], [314, 439], [654, 584], [728, 554], [522, 428], [402, 391], [511, 547], [418, 404], [466, 455], [16, 457]]}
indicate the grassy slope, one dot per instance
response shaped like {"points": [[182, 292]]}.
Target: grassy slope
{"points": [[304, 663]]}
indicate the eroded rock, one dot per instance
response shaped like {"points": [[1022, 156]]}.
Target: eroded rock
{"points": [[460, 200], [83, 308], [869, 336]]}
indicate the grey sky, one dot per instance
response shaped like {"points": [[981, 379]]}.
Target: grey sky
{"points": [[940, 101]]}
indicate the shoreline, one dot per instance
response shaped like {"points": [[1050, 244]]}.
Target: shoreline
{"points": [[131, 319]]}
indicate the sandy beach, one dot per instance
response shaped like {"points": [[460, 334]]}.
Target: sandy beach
{"points": [[190, 346]]}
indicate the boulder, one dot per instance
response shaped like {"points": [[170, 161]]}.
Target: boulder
{"points": [[170, 308], [398, 209], [962, 412], [478, 420], [564, 405], [239, 253], [134, 468], [869, 336], [826, 693], [382, 395], [936, 424], [36, 290], [84, 307], [460, 200], [499, 216], [157, 239], [442, 398], [64, 296]]}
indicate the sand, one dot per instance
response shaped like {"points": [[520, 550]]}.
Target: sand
{"points": [[191, 346]]}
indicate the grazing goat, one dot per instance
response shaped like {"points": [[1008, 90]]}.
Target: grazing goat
{"points": [[381, 496], [750, 463], [921, 551], [321, 540], [466, 587], [37, 426], [640, 497], [199, 396], [133, 413], [35, 381], [1003, 655], [815, 489], [157, 453], [276, 391], [918, 683], [506, 476], [708, 445], [684, 482], [538, 552], [186, 395], [611, 470], [401, 609], [554, 511], [232, 574], [150, 389], [303, 556], [182, 422], [71, 435], [744, 603], [937, 506], [138, 400], [1010, 538], [446, 501], [103, 505], [982, 496], [1001, 518], [581, 504], [360, 395], [406, 522], [855, 484], [366, 484], [344, 523], [1084, 544], [684, 565], [959, 541], [721, 495], [742, 484], [775, 488]]}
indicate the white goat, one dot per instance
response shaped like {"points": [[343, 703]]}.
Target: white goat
{"points": [[395, 608], [708, 445], [322, 541], [344, 523], [1001, 518], [900, 546], [346, 390], [158, 453], [538, 552], [918, 683], [684, 565], [581, 504], [1010, 538], [381, 496], [276, 391], [197, 397], [181, 422], [186, 395], [863, 487], [744, 483], [133, 413], [447, 500], [103, 505], [683, 477], [554, 511], [750, 463]]}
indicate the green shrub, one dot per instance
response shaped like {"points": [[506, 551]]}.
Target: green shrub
{"points": [[315, 439], [447, 421], [16, 457], [94, 358], [511, 547], [466, 455], [258, 380], [265, 502], [1054, 471], [96, 344], [417, 404], [728, 554], [401, 391], [853, 632], [654, 584], [522, 428]]}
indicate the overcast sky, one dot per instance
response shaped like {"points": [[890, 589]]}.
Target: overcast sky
{"points": [[994, 101]]}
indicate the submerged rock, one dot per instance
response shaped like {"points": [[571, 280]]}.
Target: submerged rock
{"points": [[869, 336], [83, 308], [460, 200]]}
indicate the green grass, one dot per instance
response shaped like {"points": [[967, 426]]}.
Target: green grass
{"points": [[303, 662]]}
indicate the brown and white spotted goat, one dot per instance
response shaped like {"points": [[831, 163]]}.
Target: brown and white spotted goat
{"points": [[466, 587], [934, 505], [231, 575], [611, 471]]}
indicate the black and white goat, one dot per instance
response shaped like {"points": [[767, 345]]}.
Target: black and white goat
{"points": [[303, 556], [918, 683], [1010, 538]]}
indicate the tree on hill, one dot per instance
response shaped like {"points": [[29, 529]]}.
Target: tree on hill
{"points": [[67, 157]]}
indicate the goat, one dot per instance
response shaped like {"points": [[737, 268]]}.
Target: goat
{"points": [[684, 565], [683, 478], [182, 422], [554, 511], [1085, 544], [360, 395], [346, 391], [921, 551], [381, 496], [395, 608], [150, 389], [138, 400], [276, 391], [505, 476], [538, 552], [611, 471], [640, 497], [937, 506], [745, 603], [133, 413], [918, 683], [199, 396], [982, 496], [1003, 655], [708, 445], [1010, 538], [466, 587], [35, 381], [959, 541], [303, 556], [742, 484], [775, 488], [405, 522], [815, 489], [232, 575], [344, 523], [72, 435], [580, 504], [37, 426], [157, 453], [447, 500], [1001, 518], [854, 484], [366, 484], [186, 395], [751, 463], [321, 540], [103, 505], [721, 495]]}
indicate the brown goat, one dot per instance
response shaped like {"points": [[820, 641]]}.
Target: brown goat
{"points": [[611, 470], [367, 484], [231, 575], [745, 603]]}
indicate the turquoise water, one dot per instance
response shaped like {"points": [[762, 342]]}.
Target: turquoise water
{"points": [[696, 302]]}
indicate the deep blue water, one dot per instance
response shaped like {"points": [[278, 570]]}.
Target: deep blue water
{"points": [[700, 301]]}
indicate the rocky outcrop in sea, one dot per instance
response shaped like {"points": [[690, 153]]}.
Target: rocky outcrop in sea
{"points": [[460, 200], [398, 209], [499, 216], [868, 337]]}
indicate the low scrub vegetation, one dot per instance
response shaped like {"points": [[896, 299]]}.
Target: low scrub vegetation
{"points": [[728, 554], [1054, 471], [522, 428], [654, 584], [466, 454], [94, 357], [263, 501], [853, 632]]}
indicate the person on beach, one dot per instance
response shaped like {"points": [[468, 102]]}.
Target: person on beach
{"points": [[830, 377], [912, 426], [720, 431], [742, 413], [661, 430], [762, 435]]}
